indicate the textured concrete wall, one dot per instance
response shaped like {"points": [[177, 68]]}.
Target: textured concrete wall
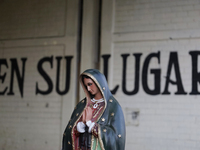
{"points": [[37, 39], [166, 33], [168, 119], [32, 19]]}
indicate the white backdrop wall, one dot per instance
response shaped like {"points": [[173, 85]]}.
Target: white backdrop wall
{"points": [[38, 45], [161, 105], [157, 36]]}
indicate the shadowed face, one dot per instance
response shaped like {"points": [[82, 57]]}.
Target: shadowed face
{"points": [[91, 86]]}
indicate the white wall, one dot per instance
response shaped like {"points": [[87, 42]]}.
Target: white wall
{"points": [[35, 30], [165, 121]]}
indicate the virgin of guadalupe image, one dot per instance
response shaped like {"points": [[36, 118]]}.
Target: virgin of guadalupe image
{"points": [[97, 122]]}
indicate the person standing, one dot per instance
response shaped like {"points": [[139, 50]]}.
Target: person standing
{"points": [[97, 122]]}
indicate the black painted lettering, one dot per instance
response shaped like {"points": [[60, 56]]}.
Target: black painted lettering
{"points": [[105, 70], [137, 73], [2, 77], [156, 73], [173, 61], [67, 75], [45, 76], [105, 65], [195, 73], [20, 78]]}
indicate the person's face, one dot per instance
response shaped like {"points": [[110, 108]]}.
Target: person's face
{"points": [[91, 86]]}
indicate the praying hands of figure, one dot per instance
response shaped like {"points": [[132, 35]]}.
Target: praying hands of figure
{"points": [[87, 115]]}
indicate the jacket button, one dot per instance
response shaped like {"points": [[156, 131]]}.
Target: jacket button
{"points": [[69, 142], [104, 88], [112, 114], [77, 114], [111, 100], [119, 135], [103, 119], [70, 127], [104, 130]]}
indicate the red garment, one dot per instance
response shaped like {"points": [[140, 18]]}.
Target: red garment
{"points": [[96, 112]]}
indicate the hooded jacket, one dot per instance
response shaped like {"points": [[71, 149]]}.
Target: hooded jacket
{"points": [[110, 124]]}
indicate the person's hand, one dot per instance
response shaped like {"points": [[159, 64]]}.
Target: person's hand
{"points": [[87, 115], [83, 117]]}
